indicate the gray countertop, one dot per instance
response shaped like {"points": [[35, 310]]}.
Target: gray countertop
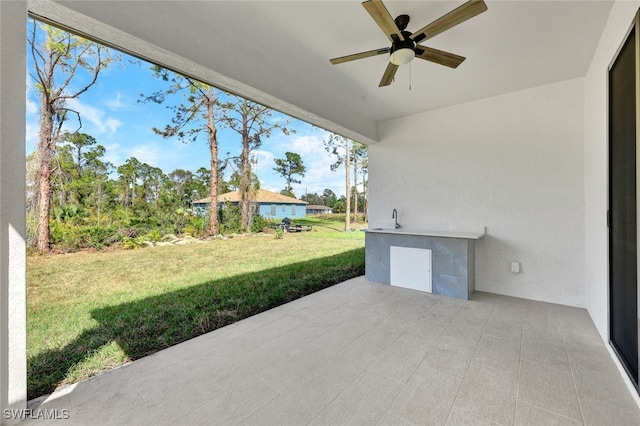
{"points": [[433, 232]]}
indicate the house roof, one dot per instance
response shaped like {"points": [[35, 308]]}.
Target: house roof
{"points": [[262, 196], [317, 207]]}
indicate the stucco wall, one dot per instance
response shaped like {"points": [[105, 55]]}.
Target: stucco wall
{"points": [[12, 201], [513, 163], [596, 169]]}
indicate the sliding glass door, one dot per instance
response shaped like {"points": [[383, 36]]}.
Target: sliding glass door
{"points": [[623, 219]]}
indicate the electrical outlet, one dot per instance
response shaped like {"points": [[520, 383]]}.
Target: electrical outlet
{"points": [[515, 267]]}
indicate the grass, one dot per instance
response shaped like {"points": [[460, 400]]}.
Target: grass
{"points": [[92, 311], [329, 222]]}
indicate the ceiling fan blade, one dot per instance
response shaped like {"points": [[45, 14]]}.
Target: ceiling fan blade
{"points": [[451, 19], [381, 15], [388, 75], [441, 57], [361, 55]]}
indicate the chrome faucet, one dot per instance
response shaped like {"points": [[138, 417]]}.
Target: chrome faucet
{"points": [[394, 215]]}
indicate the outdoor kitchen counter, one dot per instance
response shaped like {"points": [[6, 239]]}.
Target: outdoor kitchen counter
{"points": [[452, 254]]}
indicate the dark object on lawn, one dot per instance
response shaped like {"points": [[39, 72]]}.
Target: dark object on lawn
{"points": [[286, 226]]}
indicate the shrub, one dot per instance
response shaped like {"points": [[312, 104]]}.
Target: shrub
{"points": [[339, 217], [258, 224], [132, 243], [230, 220], [153, 235], [64, 236], [69, 213], [196, 226], [97, 237], [69, 237]]}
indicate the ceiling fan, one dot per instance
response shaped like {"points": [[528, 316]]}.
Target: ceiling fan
{"points": [[404, 45]]}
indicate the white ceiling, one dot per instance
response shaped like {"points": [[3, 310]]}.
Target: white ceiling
{"points": [[283, 48]]}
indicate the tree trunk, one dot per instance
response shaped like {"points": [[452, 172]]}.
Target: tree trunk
{"points": [[365, 206], [355, 189], [245, 174], [133, 190], [347, 165], [213, 228], [99, 200], [44, 153]]}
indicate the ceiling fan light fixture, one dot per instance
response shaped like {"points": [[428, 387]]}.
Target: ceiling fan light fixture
{"points": [[402, 56], [404, 44]]}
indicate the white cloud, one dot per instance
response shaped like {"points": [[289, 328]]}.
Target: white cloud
{"points": [[32, 117], [96, 117], [112, 125], [116, 103], [113, 154], [146, 153], [31, 135], [165, 154], [32, 108], [317, 160], [265, 162]]}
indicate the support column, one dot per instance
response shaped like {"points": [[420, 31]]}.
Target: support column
{"points": [[13, 309]]}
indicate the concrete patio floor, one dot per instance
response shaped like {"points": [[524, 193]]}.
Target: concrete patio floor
{"points": [[365, 353]]}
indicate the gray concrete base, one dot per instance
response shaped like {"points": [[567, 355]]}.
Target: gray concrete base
{"points": [[453, 261]]}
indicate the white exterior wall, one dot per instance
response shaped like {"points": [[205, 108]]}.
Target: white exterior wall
{"points": [[13, 378], [596, 168], [513, 163]]}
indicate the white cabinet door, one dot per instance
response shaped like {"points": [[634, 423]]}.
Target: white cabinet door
{"points": [[411, 268]]}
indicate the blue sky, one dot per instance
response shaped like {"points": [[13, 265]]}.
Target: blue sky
{"points": [[111, 113]]}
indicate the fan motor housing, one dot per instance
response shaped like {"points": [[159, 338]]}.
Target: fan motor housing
{"points": [[407, 43], [402, 21]]}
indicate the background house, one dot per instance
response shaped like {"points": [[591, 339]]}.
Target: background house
{"points": [[267, 204], [316, 209]]}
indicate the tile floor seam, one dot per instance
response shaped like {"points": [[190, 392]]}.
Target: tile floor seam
{"points": [[575, 388], [290, 330], [265, 382], [278, 393], [393, 402], [394, 398], [573, 377], [616, 407], [395, 415], [466, 372], [328, 402], [229, 391], [212, 396], [553, 412], [356, 337], [340, 393], [479, 415], [397, 381], [453, 404], [515, 413], [139, 394]]}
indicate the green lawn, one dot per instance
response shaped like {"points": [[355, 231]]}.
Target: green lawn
{"points": [[92, 311]]}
